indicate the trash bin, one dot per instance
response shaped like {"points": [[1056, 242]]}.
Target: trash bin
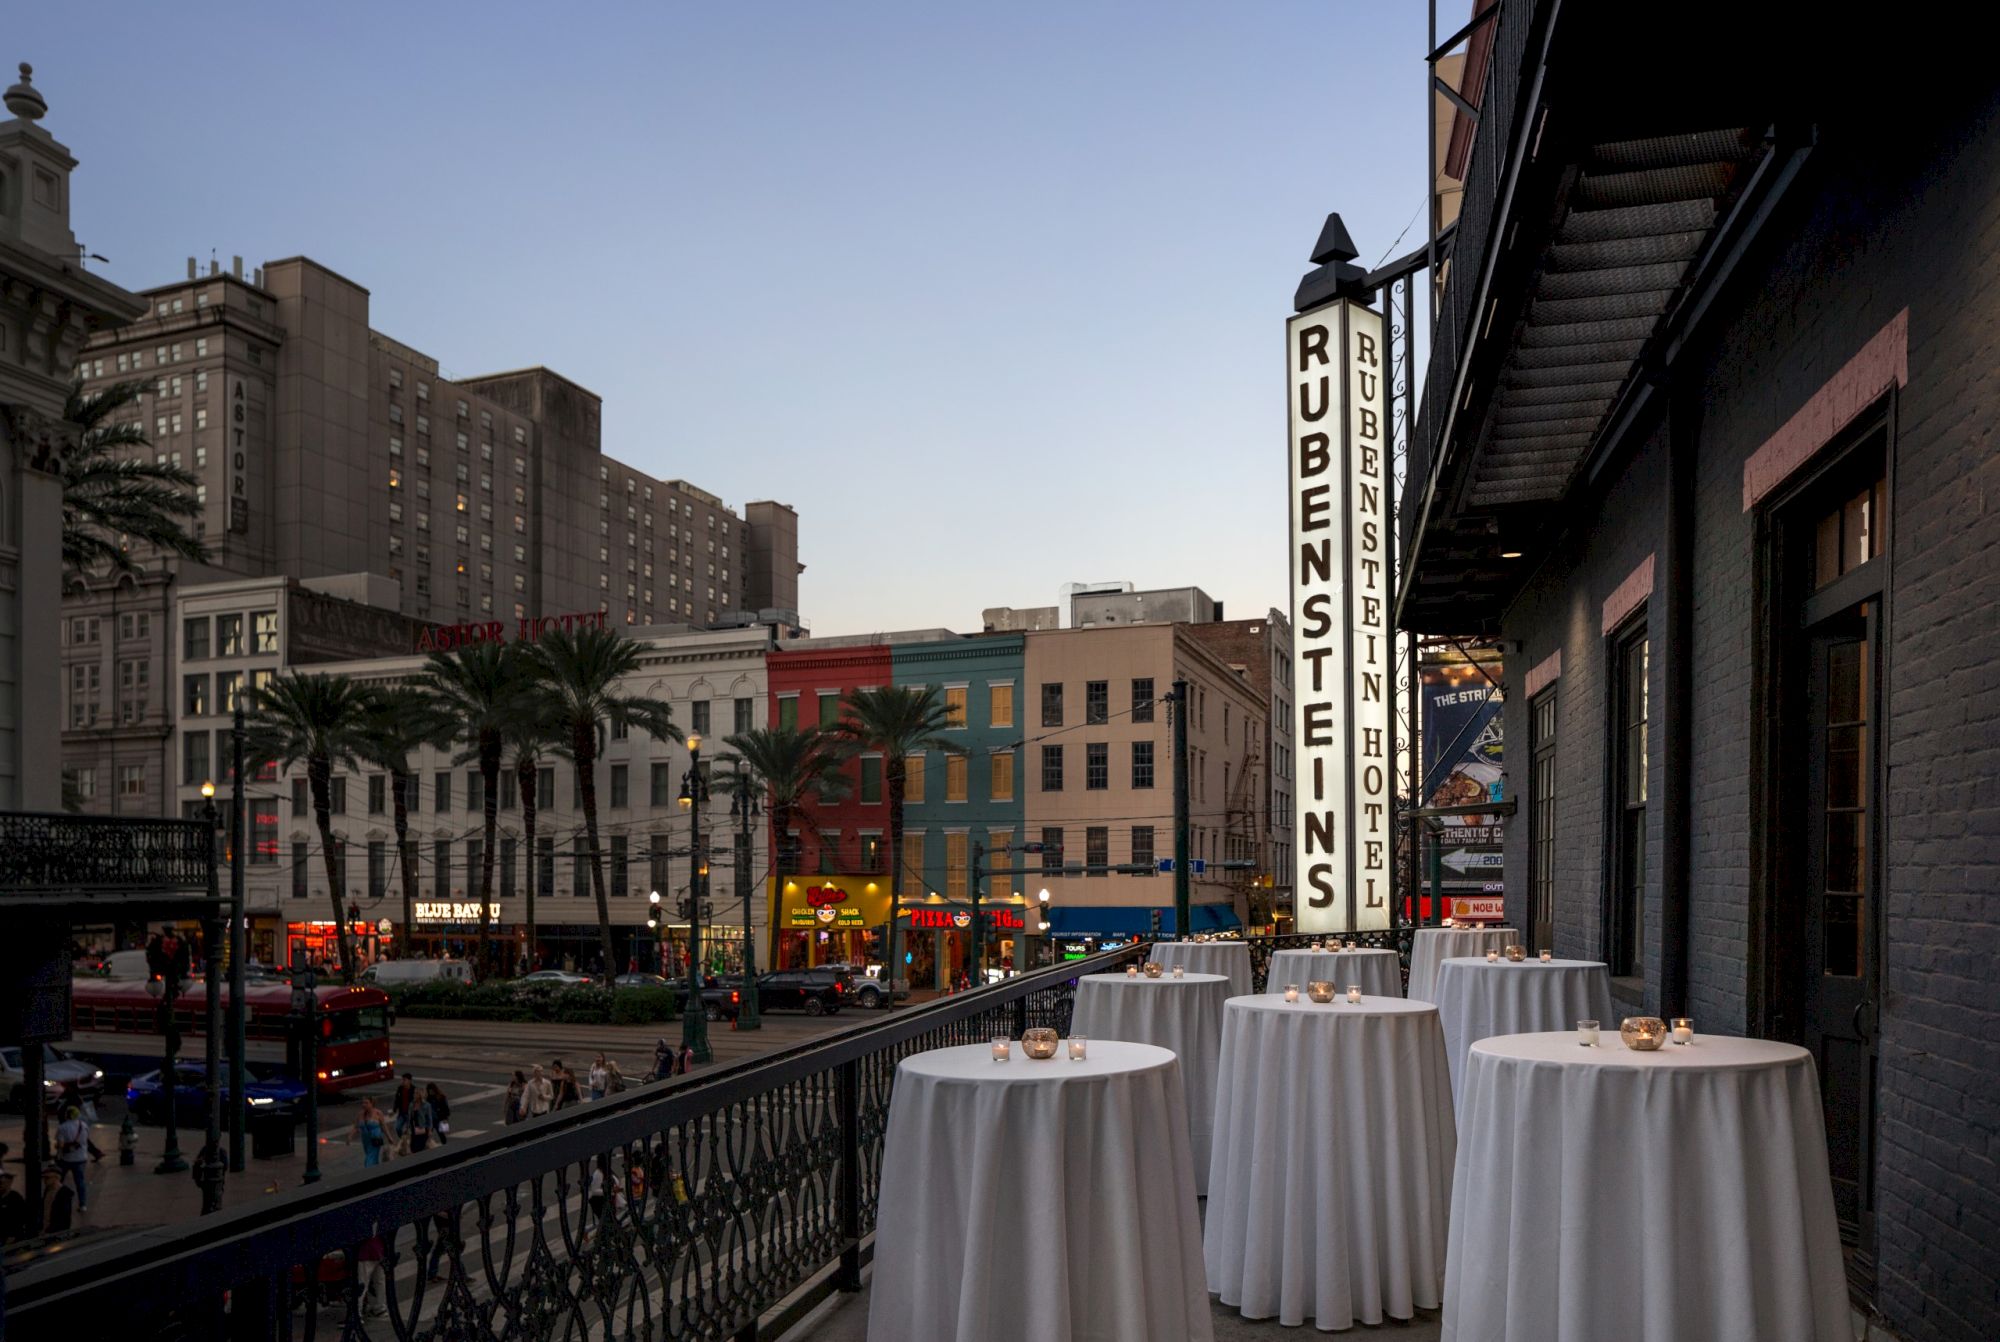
{"points": [[271, 1136]]}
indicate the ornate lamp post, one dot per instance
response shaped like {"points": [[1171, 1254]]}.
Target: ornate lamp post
{"points": [[211, 1164], [694, 791], [659, 937], [743, 805]]}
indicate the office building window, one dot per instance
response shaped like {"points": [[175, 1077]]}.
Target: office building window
{"points": [[475, 791], [954, 706], [1096, 701], [1052, 850], [441, 792], [620, 857], [788, 710], [545, 867], [264, 631], [1142, 699], [194, 696], [1052, 704], [441, 869], [1142, 845], [227, 685], [957, 865], [299, 860], [955, 768], [1052, 768], [1000, 705], [1096, 766], [545, 786], [378, 790], [301, 798], [378, 869], [914, 885], [698, 715], [194, 639], [871, 779], [1097, 850], [913, 778], [194, 758], [1003, 775], [621, 788], [85, 782], [337, 798], [1142, 764], [829, 708], [132, 783], [744, 710], [1630, 657], [229, 635]]}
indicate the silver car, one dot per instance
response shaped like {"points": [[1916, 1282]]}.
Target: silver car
{"points": [[58, 1070]]}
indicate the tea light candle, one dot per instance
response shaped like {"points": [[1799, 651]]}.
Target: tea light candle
{"points": [[1586, 1033], [1131, 971], [1077, 1046], [1683, 1029], [1291, 992], [1179, 970], [1000, 1048], [1492, 957], [1354, 994], [1548, 956], [1350, 945]]}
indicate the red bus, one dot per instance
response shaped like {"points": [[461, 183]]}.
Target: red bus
{"points": [[118, 1022]]}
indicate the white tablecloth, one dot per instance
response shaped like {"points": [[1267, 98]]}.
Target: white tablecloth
{"points": [[1047, 1200], [1182, 1015], [1328, 1194], [1642, 1197], [1433, 944], [1477, 1000], [1231, 959], [1379, 972]]}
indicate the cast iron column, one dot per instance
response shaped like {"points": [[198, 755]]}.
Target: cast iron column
{"points": [[694, 1020], [747, 1015]]}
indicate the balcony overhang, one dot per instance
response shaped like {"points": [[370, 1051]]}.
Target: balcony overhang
{"points": [[104, 866]]}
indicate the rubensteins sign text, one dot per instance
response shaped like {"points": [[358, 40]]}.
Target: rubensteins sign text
{"points": [[1335, 361], [445, 637]]}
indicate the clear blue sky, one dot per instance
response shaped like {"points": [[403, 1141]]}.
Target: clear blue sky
{"points": [[992, 294]]}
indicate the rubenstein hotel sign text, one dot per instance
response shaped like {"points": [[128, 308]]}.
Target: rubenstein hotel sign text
{"points": [[1340, 617]]}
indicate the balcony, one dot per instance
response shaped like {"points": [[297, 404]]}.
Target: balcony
{"points": [[84, 863]]}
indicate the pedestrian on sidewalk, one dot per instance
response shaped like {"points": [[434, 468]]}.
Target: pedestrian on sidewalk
{"points": [[13, 1210], [614, 1079], [687, 1059], [600, 1079], [422, 1123], [540, 1096], [663, 1061], [516, 1099], [565, 1084], [399, 1110], [73, 1153], [372, 1131], [58, 1203], [440, 1109]]}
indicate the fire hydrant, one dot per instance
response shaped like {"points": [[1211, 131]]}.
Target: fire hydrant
{"points": [[128, 1141]]}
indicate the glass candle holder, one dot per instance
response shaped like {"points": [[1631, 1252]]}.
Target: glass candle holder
{"points": [[1586, 1033], [1350, 945], [1180, 971], [1642, 1034], [1320, 990], [1517, 954], [1291, 992], [1078, 1047], [1492, 957], [1039, 1043], [1548, 956], [1354, 994], [1001, 1050], [1154, 969], [1131, 971], [1683, 1029]]}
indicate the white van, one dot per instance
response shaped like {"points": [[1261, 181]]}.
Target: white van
{"points": [[401, 973]]}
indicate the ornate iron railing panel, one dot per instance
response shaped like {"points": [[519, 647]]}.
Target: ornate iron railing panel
{"points": [[690, 1209], [1397, 939], [41, 853]]}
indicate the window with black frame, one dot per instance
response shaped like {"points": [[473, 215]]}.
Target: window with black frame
{"points": [[1631, 658]]}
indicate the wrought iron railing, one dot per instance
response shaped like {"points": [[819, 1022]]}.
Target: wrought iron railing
{"points": [[42, 852], [1397, 939], [722, 1206]]}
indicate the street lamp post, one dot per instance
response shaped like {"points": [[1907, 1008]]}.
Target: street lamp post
{"points": [[168, 982], [305, 1002], [211, 1164], [239, 918], [743, 805], [1042, 926], [659, 936], [694, 1020]]}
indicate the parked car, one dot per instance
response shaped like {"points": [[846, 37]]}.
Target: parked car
{"points": [[865, 985], [817, 991], [58, 1070], [644, 981], [402, 973], [561, 978], [720, 1001], [265, 1085]]}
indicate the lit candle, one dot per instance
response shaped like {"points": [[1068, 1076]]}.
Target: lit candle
{"points": [[1354, 994], [1548, 956], [1291, 992], [1586, 1033], [1000, 1051], [1492, 957], [1077, 1044], [1179, 970], [1350, 945], [1131, 971], [1683, 1029]]}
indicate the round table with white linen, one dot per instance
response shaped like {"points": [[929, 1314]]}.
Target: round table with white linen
{"points": [[1182, 1015], [1331, 1181], [1049, 1200], [1379, 972], [1644, 1197], [1231, 959], [1477, 999], [1434, 944]]}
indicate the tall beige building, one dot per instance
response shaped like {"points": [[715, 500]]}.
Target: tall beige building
{"points": [[325, 448]]}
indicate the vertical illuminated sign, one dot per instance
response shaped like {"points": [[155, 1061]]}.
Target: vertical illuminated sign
{"points": [[1339, 498]]}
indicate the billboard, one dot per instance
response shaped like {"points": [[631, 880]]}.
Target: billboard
{"points": [[1463, 761], [1338, 500]]}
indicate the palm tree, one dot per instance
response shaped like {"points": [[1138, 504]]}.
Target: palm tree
{"points": [[107, 498], [577, 672], [402, 719], [322, 720], [533, 735], [898, 720], [796, 767], [476, 689]]}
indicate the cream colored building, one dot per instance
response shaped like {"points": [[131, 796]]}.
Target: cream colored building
{"points": [[1098, 770]]}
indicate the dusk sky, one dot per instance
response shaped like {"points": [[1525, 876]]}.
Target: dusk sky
{"points": [[993, 295]]}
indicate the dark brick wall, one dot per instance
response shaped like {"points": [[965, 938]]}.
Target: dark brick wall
{"points": [[1883, 218]]}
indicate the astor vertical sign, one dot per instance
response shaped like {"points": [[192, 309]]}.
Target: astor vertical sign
{"points": [[1342, 670]]}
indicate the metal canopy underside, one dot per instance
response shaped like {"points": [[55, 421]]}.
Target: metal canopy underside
{"points": [[1636, 216]]}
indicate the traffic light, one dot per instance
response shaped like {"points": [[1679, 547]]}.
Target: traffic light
{"points": [[1156, 922]]}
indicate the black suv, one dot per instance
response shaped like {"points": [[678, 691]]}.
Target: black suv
{"points": [[813, 991]]}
